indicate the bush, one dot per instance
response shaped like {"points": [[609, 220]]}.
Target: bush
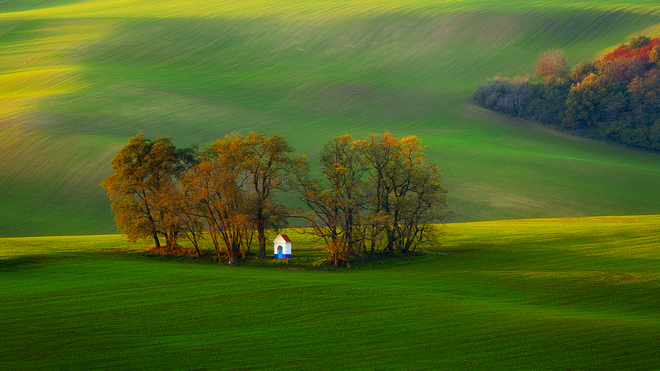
{"points": [[637, 42], [582, 70], [551, 66]]}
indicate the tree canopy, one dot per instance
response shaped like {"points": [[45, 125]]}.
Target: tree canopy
{"points": [[376, 194], [552, 66], [143, 188], [615, 98]]}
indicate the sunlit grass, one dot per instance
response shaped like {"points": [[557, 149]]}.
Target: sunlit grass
{"points": [[48, 246], [29, 84], [294, 9], [80, 77], [36, 62], [550, 294]]}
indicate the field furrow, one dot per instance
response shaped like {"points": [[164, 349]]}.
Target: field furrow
{"points": [[549, 294], [78, 78]]}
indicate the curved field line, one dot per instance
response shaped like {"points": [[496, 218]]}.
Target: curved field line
{"points": [[65, 179], [63, 191], [306, 70], [295, 10]]}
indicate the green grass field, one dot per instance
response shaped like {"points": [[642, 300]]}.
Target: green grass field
{"points": [[77, 78], [547, 294]]}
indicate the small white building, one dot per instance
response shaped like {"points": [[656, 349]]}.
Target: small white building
{"points": [[282, 246]]}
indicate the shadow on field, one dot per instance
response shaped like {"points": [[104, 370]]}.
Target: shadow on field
{"points": [[22, 262], [315, 260]]}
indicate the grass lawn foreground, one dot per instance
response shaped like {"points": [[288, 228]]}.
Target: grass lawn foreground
{"points": [[572, 293]]}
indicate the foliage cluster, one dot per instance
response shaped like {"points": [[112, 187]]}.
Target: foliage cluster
{"points": [[159, 191], [375, 195], [615, 98]]}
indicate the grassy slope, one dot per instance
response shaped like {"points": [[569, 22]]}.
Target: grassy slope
{"points": [[78, 78], [527, 294]]}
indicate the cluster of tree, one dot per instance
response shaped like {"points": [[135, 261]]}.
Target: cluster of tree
{"points": [[377, 194], [615, 98], [159, 191]]}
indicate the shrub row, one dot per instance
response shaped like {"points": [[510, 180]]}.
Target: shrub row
{"points": [[614, 99]]}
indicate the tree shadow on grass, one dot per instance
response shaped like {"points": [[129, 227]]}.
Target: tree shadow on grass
{"points": [[21, 262]]}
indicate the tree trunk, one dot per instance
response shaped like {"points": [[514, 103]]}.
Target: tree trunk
{"points": [[335, 249], [262, 243], [261, 234], [196, 244], [217, 246], [349, 234], [235, 249], [154, 234]]}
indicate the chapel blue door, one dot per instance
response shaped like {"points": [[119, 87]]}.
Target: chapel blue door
{"points": [[279, 252]]}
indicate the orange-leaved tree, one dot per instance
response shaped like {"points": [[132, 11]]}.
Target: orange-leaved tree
{"points": [[143, 189], [214, 194], [265, 162], [334, 202], [377, 193], [406, 194], [552, 66]]}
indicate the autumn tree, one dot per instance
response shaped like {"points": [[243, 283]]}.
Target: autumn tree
{"points": [[379, 191], [584, 100], [622, 70], [233, 189], [265, 162], [344, 168], [407, 196], [214, 194], [647, 85], [551, 66], [193, 223], [143, 189], [324, 215], [637, 42], [615, 98], [582, 70], [375, 193], [654, 54], [336, 200]]}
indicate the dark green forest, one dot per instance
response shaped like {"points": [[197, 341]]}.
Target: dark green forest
{"points": [[615, 99]]}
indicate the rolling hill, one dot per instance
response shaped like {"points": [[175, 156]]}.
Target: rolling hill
{"points": [[78, 78]]}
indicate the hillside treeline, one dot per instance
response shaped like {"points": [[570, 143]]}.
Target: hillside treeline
{"points": [[614, 99], [370, 196]]}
